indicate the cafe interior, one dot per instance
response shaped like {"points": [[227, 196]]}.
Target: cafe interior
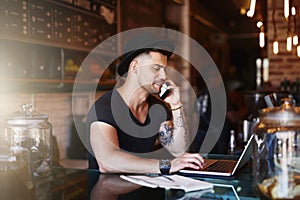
{"points": [[58, 56]]}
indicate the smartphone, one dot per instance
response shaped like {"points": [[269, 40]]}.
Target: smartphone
{"points": [[164, 91]]}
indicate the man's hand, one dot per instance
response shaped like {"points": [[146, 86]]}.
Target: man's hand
{"points": [[187, 160], [174, 97]]}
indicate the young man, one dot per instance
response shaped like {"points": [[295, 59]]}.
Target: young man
{"points": [[131, 120]]}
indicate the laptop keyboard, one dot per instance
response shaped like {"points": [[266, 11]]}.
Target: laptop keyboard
{"points": [[221, 166]]}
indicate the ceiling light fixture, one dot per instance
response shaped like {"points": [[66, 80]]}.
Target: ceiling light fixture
{"points": [[286, 9], [289, 43], [275, 47], [275, 41], [251, 11], [289, 39], [262, 37], [259, 24], [291, 16], [295, 34]]}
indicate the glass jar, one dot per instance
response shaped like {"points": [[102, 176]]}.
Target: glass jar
{"points": [[31, 130], [276, 151]]}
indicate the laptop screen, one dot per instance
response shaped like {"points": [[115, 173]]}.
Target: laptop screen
{"points": [[246, 154]]}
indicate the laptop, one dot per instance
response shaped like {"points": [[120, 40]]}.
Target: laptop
{"points": [[223, 168]]}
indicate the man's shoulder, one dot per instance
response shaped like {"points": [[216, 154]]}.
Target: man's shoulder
{"points": [[101, 103], [105, 97], [101, 107]]}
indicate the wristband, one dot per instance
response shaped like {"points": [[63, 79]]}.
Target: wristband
{"points": [[180, 106], [164, 166]]}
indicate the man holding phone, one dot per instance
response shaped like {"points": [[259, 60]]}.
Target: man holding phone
{"points": [[131, 120]]}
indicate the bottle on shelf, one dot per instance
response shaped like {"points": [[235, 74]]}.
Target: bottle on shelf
{"points": [[232, 143]]}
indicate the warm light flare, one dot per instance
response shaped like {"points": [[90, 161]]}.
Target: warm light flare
{"points": [[243, 11]]}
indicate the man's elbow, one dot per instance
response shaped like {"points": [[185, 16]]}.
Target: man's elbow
{"points": [[107, 167]]}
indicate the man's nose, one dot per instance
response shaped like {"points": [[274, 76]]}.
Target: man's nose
{"points": [[162, 74]]}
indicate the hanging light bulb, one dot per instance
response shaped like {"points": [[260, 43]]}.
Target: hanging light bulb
{"points": [[289, 43], [293, 11], [275, 42], [258, 72], [295, 35], [251, 11], [289, 39], [295, 40], [266, 69], [259, 24], [286, 9], [298, 51], [275, 47], [261, 38]]}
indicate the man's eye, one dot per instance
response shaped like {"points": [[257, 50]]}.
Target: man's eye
{"points": [[156, 67]]}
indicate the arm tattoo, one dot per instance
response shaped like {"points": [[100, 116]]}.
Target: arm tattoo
{"points": [[179, 122], [166, 134]]}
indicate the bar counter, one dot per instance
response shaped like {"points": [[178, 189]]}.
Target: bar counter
{"points": [[68, 183]]}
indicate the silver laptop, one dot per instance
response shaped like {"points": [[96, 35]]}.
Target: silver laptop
{"points": [[225, 168]]}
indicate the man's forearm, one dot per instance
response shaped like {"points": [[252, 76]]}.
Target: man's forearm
{"points": [[123, 162], [173, 136], [111, 158]]}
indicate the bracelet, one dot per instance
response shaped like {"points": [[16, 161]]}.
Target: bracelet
{"points": [[180, 106]]}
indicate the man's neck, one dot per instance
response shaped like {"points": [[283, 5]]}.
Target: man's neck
{"points": [[136, 100], [133, 96]]}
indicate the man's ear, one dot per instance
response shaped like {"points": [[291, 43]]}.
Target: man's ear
{"points": [[133, 66]]}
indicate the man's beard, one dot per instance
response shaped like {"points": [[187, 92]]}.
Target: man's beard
{"points": [[148, 87]]}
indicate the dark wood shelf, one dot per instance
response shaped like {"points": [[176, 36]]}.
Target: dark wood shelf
{"points": [[56, 24], [68, 81], [12, 85]]}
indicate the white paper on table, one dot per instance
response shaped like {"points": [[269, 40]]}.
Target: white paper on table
{"points": [[169, 182]]}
